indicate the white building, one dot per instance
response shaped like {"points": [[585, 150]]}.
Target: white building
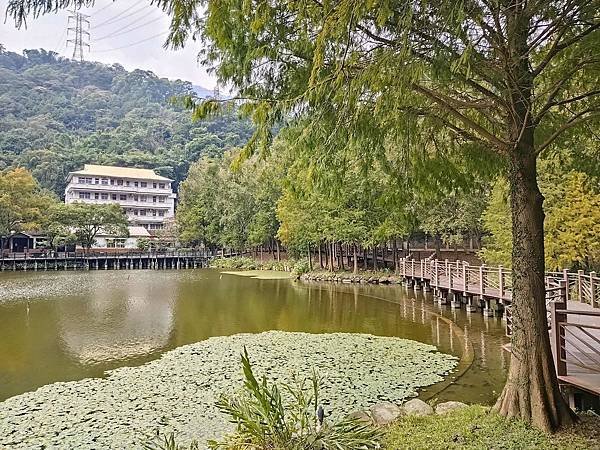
{"points": [[147, 198]]}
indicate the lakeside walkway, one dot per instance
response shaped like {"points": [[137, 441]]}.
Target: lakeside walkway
{"points": [[572, 301]]}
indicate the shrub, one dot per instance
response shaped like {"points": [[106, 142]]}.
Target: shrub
{"points": [[301, 267]]}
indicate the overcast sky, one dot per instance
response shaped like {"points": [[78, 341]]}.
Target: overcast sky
{"points": [[128, 32]]}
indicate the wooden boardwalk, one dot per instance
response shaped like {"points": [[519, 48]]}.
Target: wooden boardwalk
{"points": [[125, 260], [572, 301]]}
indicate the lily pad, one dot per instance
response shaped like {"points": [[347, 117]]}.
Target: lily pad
{"points": [[178, 391]]}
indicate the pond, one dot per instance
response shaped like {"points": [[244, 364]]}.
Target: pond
{"points": [[59, 326]]}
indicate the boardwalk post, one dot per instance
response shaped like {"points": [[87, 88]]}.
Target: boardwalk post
{"points": [[567, 287], [593, 287], [501, 282], [481, 281], [580, 285], [558, 335]]}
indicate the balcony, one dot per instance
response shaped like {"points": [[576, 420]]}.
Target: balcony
{"points": [[115, 188], [123, 203]]}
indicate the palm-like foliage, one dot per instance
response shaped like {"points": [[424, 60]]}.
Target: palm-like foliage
{"points": [[270, 417]]}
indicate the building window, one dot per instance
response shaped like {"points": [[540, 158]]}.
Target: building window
{"points": [[145, 225], [154, 212], [161, 199], [161, 213], [113, 196], [135, 213], [135, 197], [143, 184], [81, 180], [135, 183], [112, 181], [119, 182], [127, 183], [104, 196], [96, 180], [104, 181], [161, 185], [154, 199], [142, 198], [142, 212], [154, 185], [96, 195], [122, 197], [83, 195]]}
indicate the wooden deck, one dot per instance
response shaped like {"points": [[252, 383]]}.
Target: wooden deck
{"points": [[572, 300]]}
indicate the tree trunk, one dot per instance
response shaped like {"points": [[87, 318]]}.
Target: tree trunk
{"points": [[355, 259], [341, 257], [395, 256], [365, 258], [320, 256], [331, 257], [278, 250], [375, 258], [310, 267], [531, 391]]}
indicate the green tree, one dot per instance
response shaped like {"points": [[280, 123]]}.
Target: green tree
{"points": [[22, 203], [199, 214], [572, 222], [87, 220]]}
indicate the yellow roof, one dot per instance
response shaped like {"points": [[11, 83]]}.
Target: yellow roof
{"points": [[122, 172]]}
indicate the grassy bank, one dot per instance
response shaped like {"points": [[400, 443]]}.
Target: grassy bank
{"points": [[245, 263], [476, 427]]}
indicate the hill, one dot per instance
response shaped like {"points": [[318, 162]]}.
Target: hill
{"points": [[58, 114]]}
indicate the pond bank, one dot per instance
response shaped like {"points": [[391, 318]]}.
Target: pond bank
{"points": [[178, 391]]}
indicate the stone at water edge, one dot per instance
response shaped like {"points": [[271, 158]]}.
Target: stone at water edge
{"points": [[361, 416], [417, 407], [446, 407], [385, 412]]}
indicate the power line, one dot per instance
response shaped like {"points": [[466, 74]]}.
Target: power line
{"points": [[121, 31], [132, 44], [60, 41], [95, 13], [118, 17], [79, 34]]}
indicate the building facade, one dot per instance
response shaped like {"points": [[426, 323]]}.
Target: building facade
{"points": [[147, 198]]}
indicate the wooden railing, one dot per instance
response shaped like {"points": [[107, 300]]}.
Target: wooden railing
{"points": [[496, 282], [576, 344]]}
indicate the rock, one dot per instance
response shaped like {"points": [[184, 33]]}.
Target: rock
{"points": [[385, 412], [362, 416], [417, 407], [384, 280], [446, 407]]}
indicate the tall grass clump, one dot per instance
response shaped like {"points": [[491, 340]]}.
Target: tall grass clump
{"points": [[288, 418]]}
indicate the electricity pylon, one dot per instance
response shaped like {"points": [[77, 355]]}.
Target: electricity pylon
{"points": [[80, 35]]}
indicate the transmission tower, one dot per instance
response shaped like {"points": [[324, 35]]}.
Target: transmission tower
{"points": [[80, 36], [216, 92]]}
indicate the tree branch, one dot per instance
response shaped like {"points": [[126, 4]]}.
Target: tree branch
{"points": [[574, 121], [494, 141]]}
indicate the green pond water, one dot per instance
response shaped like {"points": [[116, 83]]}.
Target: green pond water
{"points": [[59, 326]]}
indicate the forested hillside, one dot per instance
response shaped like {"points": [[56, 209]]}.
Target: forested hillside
{"points": [[58, 114]]}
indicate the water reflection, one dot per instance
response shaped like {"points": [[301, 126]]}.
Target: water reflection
{"points": [[121, 321], [81, 324]]}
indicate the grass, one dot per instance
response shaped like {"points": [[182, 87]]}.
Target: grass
{"points": [[476, 427]]}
